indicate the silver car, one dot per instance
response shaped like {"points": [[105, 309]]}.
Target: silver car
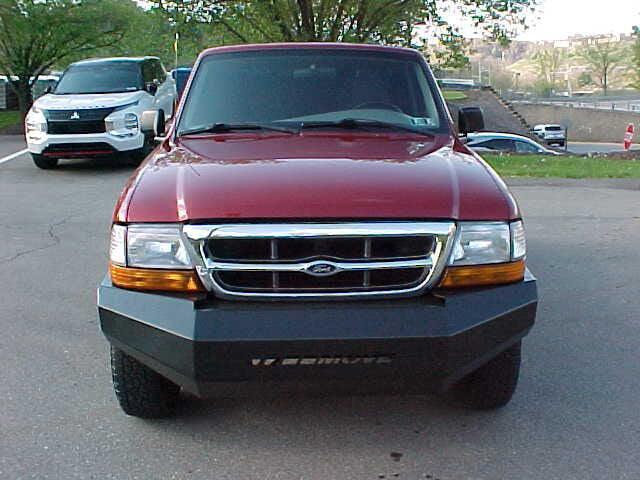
{"points": [[506, 142]]}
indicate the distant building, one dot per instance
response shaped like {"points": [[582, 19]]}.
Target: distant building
{"points": [[8, 98]]}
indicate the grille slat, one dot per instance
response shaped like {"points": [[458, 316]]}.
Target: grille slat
{"points": [[366, 282], [274, 257], [76, 127]]}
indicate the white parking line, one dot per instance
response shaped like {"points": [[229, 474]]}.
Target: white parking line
{"points": [[12, 156]]}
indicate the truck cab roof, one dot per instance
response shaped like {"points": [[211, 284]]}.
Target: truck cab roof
{"points": [[98, 61]]}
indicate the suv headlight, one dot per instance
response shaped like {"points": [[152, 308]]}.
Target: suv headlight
{"points": [[486, 253], [131, 121], [35, 124], [151, 257], [121, 124]]}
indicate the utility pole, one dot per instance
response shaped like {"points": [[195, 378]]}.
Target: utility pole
{"points": [[175, 48]]}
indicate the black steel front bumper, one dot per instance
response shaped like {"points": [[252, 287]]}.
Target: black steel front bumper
{"points": [[432, 340]]}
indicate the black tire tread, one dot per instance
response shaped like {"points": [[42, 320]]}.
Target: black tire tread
{"points": [[45, 163], [492, 385], [141, 391]]}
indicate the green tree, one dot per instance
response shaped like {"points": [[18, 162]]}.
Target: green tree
{"points": [[548, 62], [602, 58], [36, 34], [453, 53], [152, 32], [189, 19], [380, 21], [585, 79]]}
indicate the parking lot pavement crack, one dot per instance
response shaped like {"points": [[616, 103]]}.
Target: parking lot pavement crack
{"points": [[55, 240]]}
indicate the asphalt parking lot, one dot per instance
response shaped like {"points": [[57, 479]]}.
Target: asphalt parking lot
{"points": [[575, 415]]}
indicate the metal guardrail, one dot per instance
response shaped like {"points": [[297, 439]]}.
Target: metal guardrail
{"points": [[619, 106]]}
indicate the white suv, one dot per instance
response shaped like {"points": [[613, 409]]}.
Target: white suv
{"points": [[95, 110], [551, 134]]}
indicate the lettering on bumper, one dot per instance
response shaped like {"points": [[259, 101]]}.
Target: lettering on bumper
{"points": [[308, 361]]}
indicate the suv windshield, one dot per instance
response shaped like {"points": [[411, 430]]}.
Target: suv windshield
{"points": [[554, 128], [107, 77], [299, 87]]}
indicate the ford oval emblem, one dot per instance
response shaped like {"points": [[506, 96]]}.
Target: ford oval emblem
{"points": [[322, 269]]}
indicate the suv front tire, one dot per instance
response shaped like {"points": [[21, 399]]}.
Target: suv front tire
{"points": [[45, 163]]}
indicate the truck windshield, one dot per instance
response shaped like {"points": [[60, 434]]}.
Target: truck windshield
{"points": [[296, 88], [107, 77]]}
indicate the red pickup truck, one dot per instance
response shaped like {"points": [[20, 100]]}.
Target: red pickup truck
{"points": [[312, 215]]}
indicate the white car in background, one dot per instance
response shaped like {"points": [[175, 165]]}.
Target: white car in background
{"points": [[506, 142], [95, 110], [551, 134]]}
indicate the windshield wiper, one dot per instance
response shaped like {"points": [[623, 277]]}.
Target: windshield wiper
{"points": [[356, 123], [94, 93], [229, 127]]}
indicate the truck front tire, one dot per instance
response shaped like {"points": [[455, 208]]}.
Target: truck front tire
{"points": [[45, 163], [141, 391], [493, 384]]}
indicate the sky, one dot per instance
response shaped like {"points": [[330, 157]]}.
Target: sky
{"points": [[559, 19]]}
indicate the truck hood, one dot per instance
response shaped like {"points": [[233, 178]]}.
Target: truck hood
{"points": [[315, 175], [70, 102]]}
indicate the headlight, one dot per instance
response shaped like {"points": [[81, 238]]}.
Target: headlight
{"points": [[118, 245], [35, 123], [482, 243], [518, 241], [149, 246], [121, 124], [488, 253], [131, 121], [151, 257], [156, 247]]}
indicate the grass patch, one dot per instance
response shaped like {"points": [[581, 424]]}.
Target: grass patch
{"points": [[453, 95], [563, 167], [9, 118]]}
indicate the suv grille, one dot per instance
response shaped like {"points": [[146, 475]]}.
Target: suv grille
{"points": [[320, 260], [78, 149], [81, 121]]}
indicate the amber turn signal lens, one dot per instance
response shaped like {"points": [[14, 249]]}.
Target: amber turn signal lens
{"points": [[185, 281], [483, 275]]}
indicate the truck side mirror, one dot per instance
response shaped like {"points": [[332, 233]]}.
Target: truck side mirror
{"points": [[152, 122], [470, 119]]}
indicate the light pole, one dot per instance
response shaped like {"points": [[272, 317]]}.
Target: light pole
{"points": [[175, 48]]}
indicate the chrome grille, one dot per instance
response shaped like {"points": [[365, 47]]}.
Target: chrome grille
{"points": [[320, 259]]}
